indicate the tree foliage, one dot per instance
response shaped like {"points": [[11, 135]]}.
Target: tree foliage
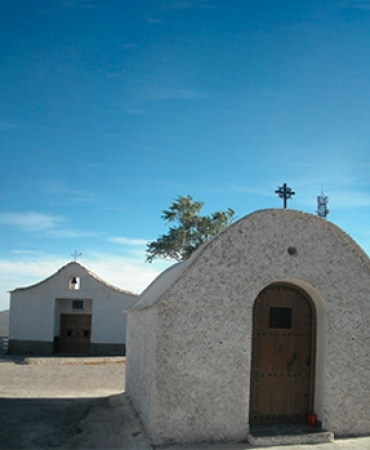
{"points": [[188, 229]]}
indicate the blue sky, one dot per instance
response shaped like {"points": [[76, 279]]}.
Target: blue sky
{"points": [[110, 109]]}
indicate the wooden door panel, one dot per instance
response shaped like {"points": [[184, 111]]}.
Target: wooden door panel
{"points": [[75, 331], [282, 355]]}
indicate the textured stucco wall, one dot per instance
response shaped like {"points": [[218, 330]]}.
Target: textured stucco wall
{"points": [[204, 326], [203, 362], [35, 311], [141, 349]]}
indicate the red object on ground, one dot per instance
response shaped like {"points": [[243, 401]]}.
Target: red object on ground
{"points": [[312, 420]]}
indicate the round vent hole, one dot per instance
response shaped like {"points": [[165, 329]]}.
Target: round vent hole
{"points": [[292, 251]]}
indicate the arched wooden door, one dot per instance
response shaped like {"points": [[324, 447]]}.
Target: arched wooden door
{"points": [[282, 377]]}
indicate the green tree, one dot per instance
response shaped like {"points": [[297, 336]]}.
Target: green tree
{"points": [[189, 231]]}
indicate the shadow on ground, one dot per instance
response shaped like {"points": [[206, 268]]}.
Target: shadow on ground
{"points": [[101, 423], [15, 359], [106, 423]]}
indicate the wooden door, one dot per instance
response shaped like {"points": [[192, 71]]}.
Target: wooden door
{"points": [[282, 376], [75, 331]]}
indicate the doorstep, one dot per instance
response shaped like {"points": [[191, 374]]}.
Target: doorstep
{"points": [[291, 434]]}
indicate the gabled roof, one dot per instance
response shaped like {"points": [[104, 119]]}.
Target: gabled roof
{"points": [[155, 291], [80, 266]]}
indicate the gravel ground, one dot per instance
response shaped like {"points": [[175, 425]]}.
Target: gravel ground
{"points": [[50, 380], [80, 403]]}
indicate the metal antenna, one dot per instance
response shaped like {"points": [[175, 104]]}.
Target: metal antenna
{"points": [[322, 203]]}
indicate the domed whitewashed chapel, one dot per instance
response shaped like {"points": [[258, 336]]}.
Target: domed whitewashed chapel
{"points": [[266, 323]]}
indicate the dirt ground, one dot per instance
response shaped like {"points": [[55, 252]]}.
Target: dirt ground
{"points": [[74, 405], [49, 404]]}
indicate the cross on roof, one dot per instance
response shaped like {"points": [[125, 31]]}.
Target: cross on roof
{"points": [[76, 255], [285, 193]]}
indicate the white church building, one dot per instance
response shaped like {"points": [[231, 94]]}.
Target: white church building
{"points": [[267, 323], [73, 311]]}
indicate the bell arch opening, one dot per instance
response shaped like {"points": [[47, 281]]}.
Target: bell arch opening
{"points": [[74, 283]]}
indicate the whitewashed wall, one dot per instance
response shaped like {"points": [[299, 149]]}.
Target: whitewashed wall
{"points": [[109, 320], [31, 319], [35, 311], [141, 376], [202, 354]]}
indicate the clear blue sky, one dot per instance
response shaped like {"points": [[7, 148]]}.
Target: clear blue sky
{"points": [[110, 109]]}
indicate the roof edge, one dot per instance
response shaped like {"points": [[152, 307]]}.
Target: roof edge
{"points": [[188, 264], [141, 302], [90, 272]]}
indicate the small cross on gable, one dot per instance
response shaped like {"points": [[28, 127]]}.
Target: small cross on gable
{"points": [[76, 255]]}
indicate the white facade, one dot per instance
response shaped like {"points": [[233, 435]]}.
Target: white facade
{"points": [[189, 361], [35, 311]]}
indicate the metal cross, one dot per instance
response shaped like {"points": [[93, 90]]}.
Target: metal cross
{"points": [[285, 193], [76, 255]]}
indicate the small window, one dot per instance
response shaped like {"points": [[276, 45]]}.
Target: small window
{"points": [[77, 304], [280, 317], [86, 333], [69, 332], [74, 283]]}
